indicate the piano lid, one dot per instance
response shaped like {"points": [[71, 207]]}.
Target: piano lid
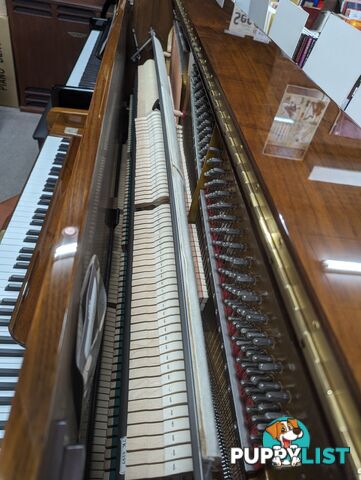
{"points": [[316, 201]]}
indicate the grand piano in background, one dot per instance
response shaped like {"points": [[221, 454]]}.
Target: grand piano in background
{"points": [[106, 209]]}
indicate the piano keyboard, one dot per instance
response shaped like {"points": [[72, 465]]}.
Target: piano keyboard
{"points": [[16, 249], [85, 71]]}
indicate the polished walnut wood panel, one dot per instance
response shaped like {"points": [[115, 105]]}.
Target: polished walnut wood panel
{"points": [[24, 312], [319, 220], [44, 392]]}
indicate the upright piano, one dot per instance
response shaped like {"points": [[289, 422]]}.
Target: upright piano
{"points": [[172, 280]]}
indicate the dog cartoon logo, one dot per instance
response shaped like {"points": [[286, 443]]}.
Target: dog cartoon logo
{"points": [[287, 434]]}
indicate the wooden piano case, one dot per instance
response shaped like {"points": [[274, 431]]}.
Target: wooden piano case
{"points": [[43, 424], [47, 39]]}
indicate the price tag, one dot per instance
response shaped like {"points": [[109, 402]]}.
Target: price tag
{"points": [[240, 24]]}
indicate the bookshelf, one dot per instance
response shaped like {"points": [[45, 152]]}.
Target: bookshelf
{"points": [[325, 45]]}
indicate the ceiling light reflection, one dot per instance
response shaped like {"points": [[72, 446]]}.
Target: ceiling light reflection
{"points": [[66, 249], [342, 266]]}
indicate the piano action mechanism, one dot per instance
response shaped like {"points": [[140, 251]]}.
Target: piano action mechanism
{"points": [[152, 317]]}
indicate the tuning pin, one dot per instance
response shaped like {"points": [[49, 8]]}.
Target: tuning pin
{"points": [[281, 397], [222, 217], [249, 391], [217, 193], [263, 342], [214, 171], [242, 262], [270, 366], [238, 277], [255, 379], [268, 407], [227, 258], [221, 206], [214, 161], [215, 183], [255, 334], [251, 353], [248, 297], [261, 357], [268, 386], [256, 317], [266, 417], [230, 245]]}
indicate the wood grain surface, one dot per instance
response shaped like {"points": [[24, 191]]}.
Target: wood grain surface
{"points": [[51, 301], [319, 220]]}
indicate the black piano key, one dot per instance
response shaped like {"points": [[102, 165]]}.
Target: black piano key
{"points": [[24, 257], [21, 265], [43, 202], [41, 210], [12, 287], [8, 372], [8, 385], [45, 196], [27, 250], [37, 223], [58, 161], [6, 400], [63, 147], [8, 301], [39, 216], [55, 170], [6, 311], [35, 233], [48, 189], [51, 181], [17, 278], [31, 239], [9, 352]]}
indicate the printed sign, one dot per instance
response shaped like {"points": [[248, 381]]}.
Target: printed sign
{"points": [[297, 119], [241, 26]]}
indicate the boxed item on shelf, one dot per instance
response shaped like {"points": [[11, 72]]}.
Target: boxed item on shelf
{"points": [[8, 90], [3, 11]]}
